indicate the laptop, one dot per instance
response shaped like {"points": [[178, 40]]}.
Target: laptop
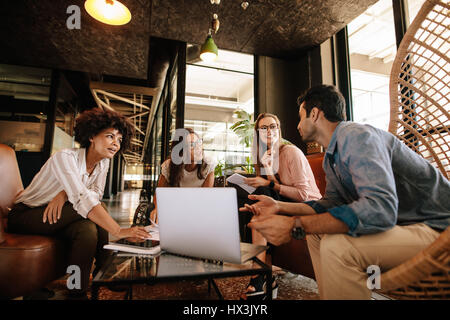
{"points": [[202, 223]]}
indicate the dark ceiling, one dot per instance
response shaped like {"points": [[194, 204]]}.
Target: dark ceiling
{"points": [[34, 32]]}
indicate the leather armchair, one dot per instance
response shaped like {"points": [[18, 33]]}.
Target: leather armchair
{"points": [[294, 255], [27, 262]]}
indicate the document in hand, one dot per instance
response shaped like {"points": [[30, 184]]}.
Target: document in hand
{"points": [[153, 231], [239, 180]]}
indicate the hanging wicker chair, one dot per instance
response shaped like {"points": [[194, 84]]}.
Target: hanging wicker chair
{"points": [[420, 106]]}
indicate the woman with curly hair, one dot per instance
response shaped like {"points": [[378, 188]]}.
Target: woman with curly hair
{"points": [[63, 199], [191, 170]]}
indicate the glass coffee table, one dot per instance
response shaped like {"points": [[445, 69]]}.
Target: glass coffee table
{"points": [[125, 270]]}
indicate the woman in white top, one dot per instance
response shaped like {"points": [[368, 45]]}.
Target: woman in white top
{"points": [[192, 170], [63, 200]]}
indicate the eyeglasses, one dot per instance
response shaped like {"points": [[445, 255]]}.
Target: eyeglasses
{"points": [[197, 143], [271, 127]]}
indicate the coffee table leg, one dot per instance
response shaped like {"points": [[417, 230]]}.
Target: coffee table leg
{"points": [[216, 289], [209, 286], [129, 293], [94, 292], [269, 280]]}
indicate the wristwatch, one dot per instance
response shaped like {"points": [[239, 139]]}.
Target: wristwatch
{"points": [[271, 184], [298, 232]]}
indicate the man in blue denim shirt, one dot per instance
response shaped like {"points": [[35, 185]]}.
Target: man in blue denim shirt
{"points": [[382, 205]]}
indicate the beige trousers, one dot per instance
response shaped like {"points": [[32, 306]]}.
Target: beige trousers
{"points": [[340, 261]]}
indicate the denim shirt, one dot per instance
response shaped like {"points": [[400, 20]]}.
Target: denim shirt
{"points": [[374, 182]]}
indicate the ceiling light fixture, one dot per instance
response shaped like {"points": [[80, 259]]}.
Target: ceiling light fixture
{"points": [[209, 51], [110, 12]]}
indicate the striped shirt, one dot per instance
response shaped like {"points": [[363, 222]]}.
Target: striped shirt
{"points": [[66, 170]]}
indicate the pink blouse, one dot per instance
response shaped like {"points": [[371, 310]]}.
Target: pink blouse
{"points": [[296, 177]]}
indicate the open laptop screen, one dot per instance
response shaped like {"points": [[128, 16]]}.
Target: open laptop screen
{"points": [[199, 222]]}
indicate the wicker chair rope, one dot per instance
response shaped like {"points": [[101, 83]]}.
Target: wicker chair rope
{"points": [[420, 107], [420, 86], [431, 265]]}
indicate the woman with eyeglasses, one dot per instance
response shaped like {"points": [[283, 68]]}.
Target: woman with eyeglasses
{"points": [[283, 173], [186, 170]]}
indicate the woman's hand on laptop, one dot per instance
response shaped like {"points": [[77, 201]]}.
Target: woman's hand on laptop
{"points": [[133, 232], [265, 206]]}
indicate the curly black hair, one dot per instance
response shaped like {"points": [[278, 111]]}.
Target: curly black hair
{"points": [[91, 122]]}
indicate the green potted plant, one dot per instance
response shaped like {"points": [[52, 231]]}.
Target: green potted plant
{"points": [[244, 127]]}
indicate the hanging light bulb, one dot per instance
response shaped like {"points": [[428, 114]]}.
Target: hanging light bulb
{"points": [[215, 23], [209, 50], [108, 11]]}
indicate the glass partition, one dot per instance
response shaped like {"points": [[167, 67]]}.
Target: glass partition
{"points": [[24, 96]]}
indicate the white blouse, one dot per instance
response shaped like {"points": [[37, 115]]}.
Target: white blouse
{"points": [[189, 178], [66, 170]]}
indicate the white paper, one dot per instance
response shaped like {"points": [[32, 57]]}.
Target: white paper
{"points": [[117, 247], [239, 180], [153, 231]]}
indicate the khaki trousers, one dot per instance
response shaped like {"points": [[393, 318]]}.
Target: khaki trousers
{"points": [[340, 261]]}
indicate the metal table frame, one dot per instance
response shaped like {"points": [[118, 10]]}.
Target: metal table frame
{"points": [[97, 282]]}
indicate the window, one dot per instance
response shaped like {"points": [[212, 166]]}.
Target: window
{"points": [[372, 48], [413, 8], [213, 92]]}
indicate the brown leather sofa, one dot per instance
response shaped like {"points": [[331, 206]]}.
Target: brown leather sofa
{"points": [[294, 255], [27, 262]]}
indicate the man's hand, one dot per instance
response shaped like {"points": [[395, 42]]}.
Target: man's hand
{"points": [[53, 211], [265, 206], [257, 182], [275, 228]]}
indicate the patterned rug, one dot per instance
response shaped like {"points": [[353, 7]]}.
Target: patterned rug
{"points": [[291, 287]]}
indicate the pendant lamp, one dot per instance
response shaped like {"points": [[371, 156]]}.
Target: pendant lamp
{"points": [[108, 11]]}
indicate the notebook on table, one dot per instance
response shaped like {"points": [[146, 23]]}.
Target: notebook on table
{"points": [[135, 245]]}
